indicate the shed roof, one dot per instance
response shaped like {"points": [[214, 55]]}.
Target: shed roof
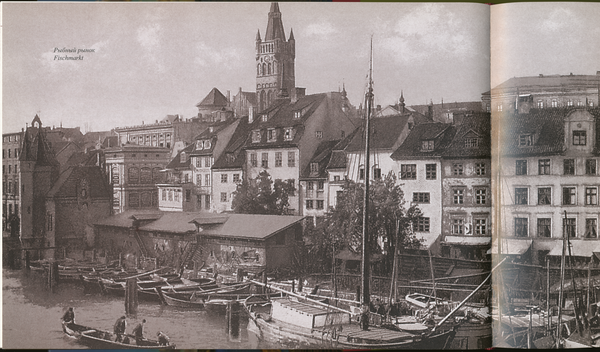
{"points": [[255, 226], [579, 248]]}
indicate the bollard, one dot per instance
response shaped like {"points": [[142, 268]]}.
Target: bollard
{"points": [[55, 272], [300, 285], [293, 285], [233, 321], [131, 297]]}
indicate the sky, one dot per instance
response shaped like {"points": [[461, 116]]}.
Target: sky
{"points": [[154, 59]]}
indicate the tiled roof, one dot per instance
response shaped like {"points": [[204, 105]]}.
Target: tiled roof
{"points": [[385, 132], [476, 125], [412, 145], [233, 156], [214, 98], [68, 183], [281, 115], [176, 163], [321, 156]]}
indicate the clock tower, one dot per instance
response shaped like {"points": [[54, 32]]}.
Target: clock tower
{"points": [[274, 61]]}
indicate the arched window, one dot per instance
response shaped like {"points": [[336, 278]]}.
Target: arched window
{"points": [[264, 68], [269, 98], [134, 175], [275, 67], [258, 70], [269, 68]]}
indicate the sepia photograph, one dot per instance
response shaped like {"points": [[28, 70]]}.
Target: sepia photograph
{"points": [[263, 175]]}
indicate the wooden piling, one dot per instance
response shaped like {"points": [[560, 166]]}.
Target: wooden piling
{"points": [[233, 321], [27, 261], [131, 296]]}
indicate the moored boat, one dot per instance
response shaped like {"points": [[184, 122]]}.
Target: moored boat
{"points": [[102, 339]]}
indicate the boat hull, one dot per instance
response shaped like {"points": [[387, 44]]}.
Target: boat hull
{"points": [[101, 339]]}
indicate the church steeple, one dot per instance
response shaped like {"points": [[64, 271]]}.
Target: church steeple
{"points": [[274, 61]]}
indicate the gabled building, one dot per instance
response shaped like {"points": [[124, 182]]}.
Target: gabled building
{"points": [[228, 169], [418, 164], [466, 189], [189, 185], [243, 102], [548, 172], [387, 134], [79, 197], [284, 137], [314, 181]]}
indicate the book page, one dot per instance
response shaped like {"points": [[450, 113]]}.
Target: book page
{"points": [[544, 101]]}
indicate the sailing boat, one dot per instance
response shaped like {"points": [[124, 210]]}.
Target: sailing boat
{"points": [[299, 319]]}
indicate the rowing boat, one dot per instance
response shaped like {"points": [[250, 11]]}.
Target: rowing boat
{"points": [[102, 339]]}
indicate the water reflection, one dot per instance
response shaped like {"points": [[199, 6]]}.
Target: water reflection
{"points": [[31, 317]]}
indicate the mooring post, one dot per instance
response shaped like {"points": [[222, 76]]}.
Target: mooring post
{"points": [[300, 285], [131, 296], [55, 272], [264, 281], [27, 260], [293, 285], [233, 321]]}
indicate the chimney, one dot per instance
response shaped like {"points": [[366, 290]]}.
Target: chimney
{"points": [[250, 114], [298, 93], [228, 96]]}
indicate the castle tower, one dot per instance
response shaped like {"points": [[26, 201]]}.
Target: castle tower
{"points": [[274, 61]]}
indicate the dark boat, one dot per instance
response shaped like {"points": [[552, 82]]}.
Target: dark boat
{"points": [[102, 339], [190, 303]]}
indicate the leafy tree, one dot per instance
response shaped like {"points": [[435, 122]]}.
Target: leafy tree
{"points": [[262, 196], [342, 227]]}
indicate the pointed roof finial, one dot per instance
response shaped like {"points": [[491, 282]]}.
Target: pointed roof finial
{"points": [[274, 7], [402, 96], [291, 35], [275, 25], [258, 36]]}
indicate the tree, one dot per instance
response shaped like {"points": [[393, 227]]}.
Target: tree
{"points": [[342, 227], [262, 196]]}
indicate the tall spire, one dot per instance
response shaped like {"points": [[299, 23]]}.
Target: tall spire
{"points": [[291, 34], [275, 25]]}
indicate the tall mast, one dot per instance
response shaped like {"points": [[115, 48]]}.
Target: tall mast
{"points": [[365, 299]]}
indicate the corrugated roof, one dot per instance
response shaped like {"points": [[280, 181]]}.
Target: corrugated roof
{"points": [[468, 240]]}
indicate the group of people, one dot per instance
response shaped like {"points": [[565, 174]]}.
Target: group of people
{"points": [[120, 327]]}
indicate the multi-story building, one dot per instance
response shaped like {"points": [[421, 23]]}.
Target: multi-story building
{"points": [[284, 137], [548, 180], [466, 189], [11, 146], [190, 181], [215, 107], [243, 102], [544, 91], [275, 60], [228, 169], [158, 134], [418, 164], [314, 182], [134, 171]]}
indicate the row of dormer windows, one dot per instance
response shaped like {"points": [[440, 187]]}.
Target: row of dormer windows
{"points": [[272, 134]]}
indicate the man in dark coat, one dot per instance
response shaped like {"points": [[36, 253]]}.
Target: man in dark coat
{"points": [[138, 332], [119, 328], [69, 316]]}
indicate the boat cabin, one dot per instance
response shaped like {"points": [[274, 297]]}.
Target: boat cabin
{"points": [[305, 314]]}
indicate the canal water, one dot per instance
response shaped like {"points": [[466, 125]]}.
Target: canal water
{"points": [[32, 317]]}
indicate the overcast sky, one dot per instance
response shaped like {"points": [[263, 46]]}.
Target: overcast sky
{"points": [[154, 59]]}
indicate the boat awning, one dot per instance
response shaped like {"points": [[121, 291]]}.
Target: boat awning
{"points": [[468, 240], [511, 246], [579, 248]]}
